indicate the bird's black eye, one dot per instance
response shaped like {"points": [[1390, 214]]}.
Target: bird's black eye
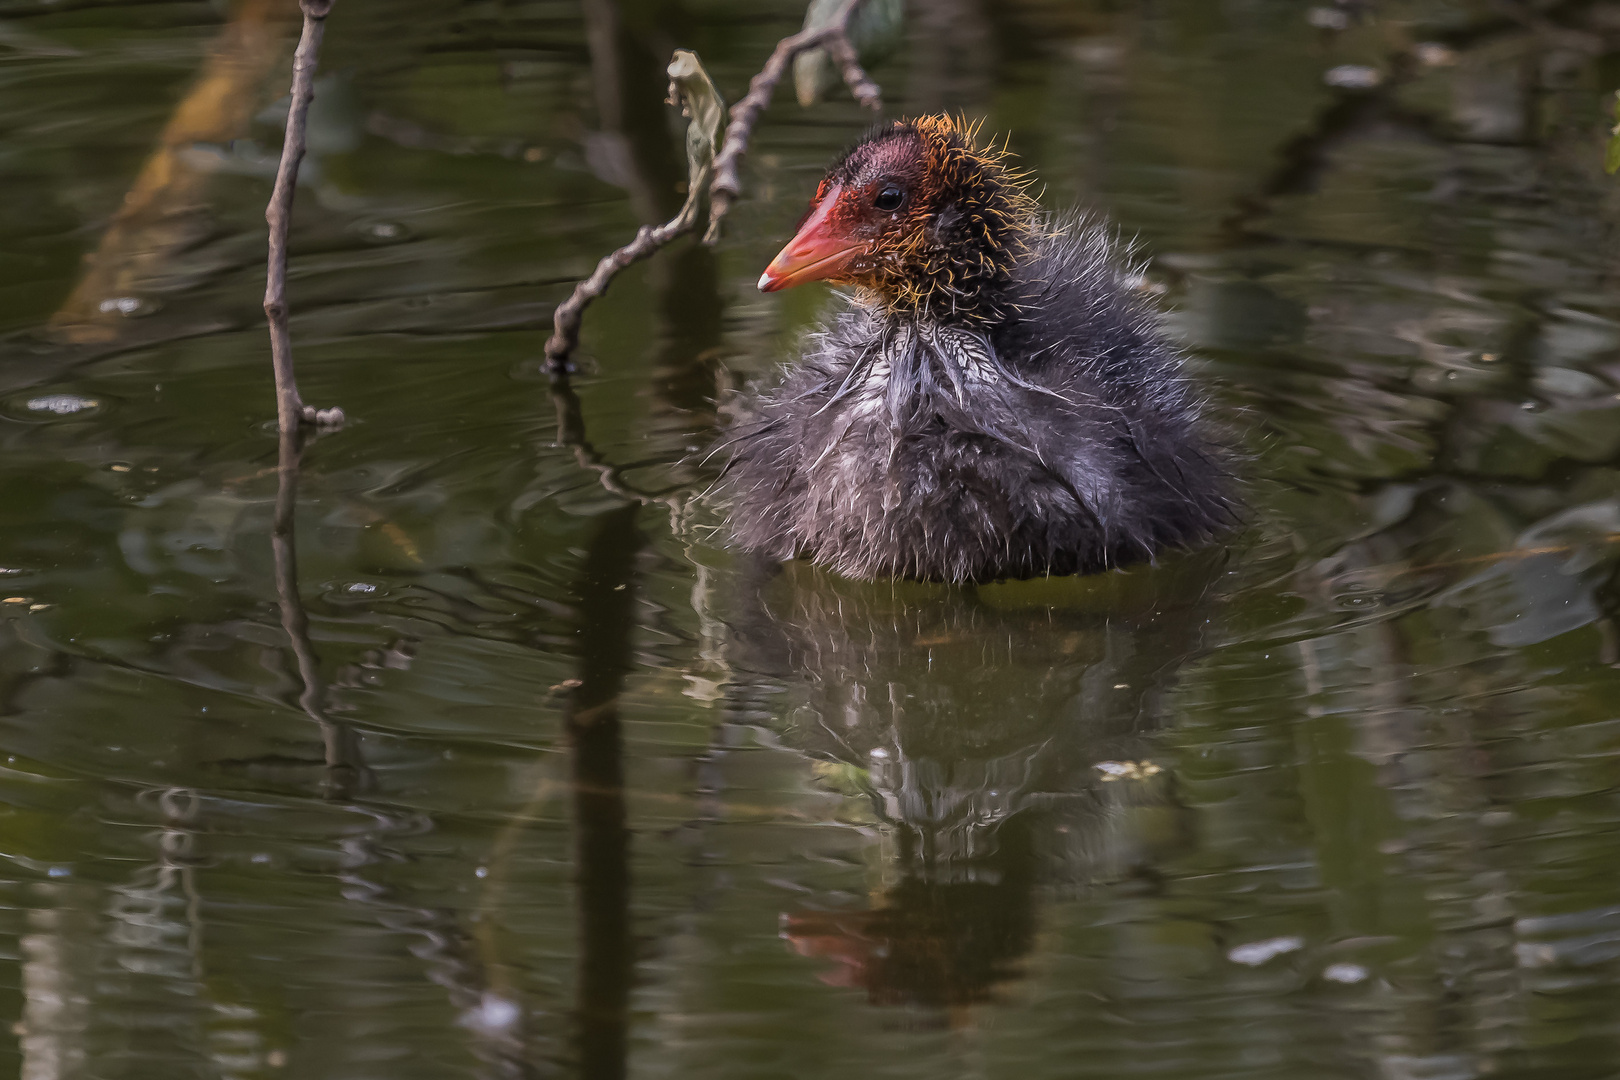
{"points": [[889, 198]]}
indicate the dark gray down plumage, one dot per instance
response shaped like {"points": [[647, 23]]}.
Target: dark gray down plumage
{"points": [[1064, 439]]}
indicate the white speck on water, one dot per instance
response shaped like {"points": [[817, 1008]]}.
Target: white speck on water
{"points": [[492, 1014], [1256, 953], [1344, 973], [362, 587], [1434, 54], [61, 404], [1326, 18], [1353, 77], [59, 871], [261, 857], [879, 753], [1532, 954], [124, 305], [481, 872]]}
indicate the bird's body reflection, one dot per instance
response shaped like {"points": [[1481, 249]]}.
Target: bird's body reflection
{"points": [[974, 722]]}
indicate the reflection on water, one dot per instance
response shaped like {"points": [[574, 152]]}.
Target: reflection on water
{"points": [[158, 215], [448, 744], [982, 727]]}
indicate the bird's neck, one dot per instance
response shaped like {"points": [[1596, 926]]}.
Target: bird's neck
{"points": [[959, 272]]}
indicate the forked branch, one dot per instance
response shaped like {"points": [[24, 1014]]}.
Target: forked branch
{"points": [[834, 37], [717, 172], [692, 90]]}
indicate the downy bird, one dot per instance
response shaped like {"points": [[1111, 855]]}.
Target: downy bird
{"points": [[992, 401]]}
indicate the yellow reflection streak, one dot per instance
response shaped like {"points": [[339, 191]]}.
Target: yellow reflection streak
{"points": [[156, 219]]}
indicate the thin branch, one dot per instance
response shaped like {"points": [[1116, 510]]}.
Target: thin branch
{"points": [[290, 408], [834, 37], [722, 182], [566, 319], [691, 90]]}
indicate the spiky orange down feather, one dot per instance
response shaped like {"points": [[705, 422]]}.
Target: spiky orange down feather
{"points": [[969, 223]]}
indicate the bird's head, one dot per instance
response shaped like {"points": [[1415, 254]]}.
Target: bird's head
{"points": [[921, 215]]}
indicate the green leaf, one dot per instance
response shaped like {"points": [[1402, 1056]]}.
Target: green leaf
{"points": [[691, 88], [874, 31]]}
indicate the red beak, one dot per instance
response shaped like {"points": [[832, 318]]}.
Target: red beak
{"points": [[816, 252]]}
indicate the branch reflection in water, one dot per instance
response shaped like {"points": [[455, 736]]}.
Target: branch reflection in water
{"points": [[345, 771], [487, 1004], [632, 134]]}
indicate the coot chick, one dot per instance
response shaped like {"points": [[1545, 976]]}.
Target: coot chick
{"points": [[993, 402]]}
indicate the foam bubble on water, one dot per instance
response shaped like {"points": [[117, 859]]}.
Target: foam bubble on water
{"points": [[124, 305], [1344, 973], [1434, 54], [61, 404], [492, 1015], [1353, 77], [1256, 953]]}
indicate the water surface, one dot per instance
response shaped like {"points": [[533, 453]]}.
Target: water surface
{"points": [[554, 786]]}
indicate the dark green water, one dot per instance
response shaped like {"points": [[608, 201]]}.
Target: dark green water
{"points": [[559, 788]]}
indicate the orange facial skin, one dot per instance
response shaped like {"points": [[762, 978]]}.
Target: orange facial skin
{"points": [[919, 215]]}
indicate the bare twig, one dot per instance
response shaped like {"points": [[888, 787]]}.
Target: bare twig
{"points": [[720, 178], [834, 37], [290, 408], [690, 88], [566, 319]]}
